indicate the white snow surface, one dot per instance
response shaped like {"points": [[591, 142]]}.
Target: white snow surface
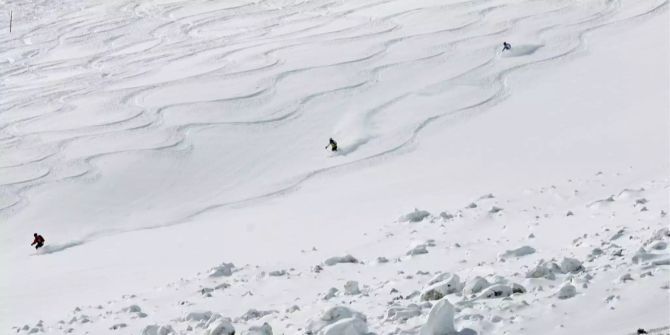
{"points": [[156, 143]]}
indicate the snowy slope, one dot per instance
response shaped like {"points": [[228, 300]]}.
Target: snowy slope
{"points": [[150, 141]]}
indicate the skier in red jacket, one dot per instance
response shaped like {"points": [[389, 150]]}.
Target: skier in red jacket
{"points": [[38, 242]]}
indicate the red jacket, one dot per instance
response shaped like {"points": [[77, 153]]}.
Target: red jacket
{"points": [[38, 240]]}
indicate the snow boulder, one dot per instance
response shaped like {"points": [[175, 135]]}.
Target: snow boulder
{"points": [[416, 216], [252, 314], [221, 326], [348, 326], [441, 321], [158, 330], [418, 250], [518, 252], [402, 313], [277, 273], [566, 291], [475, 285], [351, 288], [441, 285], [570, 265], [265, 329], [198, 316], [223, 270], [545, 270], [496, 291], [337, 260], [333, 316]]}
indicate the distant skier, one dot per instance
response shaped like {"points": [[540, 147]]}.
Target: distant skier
{"points": [[332, 144], [506, 46], [38, 242]]}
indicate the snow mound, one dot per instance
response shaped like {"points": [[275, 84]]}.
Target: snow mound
{"points": [[545, 270], [351, 288], [198, 316], [441, 321], [628, 193], [402, 313], [331, 317], [566, 291], [440, 286], [265, 329], [496, 291], [343, 259], [254, 314], [475, 285], [416, 216], [277, 273], [518, 252], [158, 330], [417, 250], [223, 270], [221, 326], [348, 326], [570, 265]]}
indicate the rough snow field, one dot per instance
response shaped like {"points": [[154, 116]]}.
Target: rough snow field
{"points": [[172, 155]]}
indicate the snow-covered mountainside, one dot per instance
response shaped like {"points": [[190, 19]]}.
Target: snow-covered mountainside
{"points": [[172, 155]]}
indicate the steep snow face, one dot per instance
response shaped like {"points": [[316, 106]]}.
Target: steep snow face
{"points": [[150, 141]]}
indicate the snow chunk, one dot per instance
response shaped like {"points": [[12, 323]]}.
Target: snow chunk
{"points": [[570, 265], [495, 291], [416, 216], [337, 260], [332, 292], [544, 270], [292, 309], [132, 309], [617, 235], [332, 316], [349, 326], [495, 209], [277, 273], [223, 270], [566, 291], [221, 326], [351, 288], [475, 285], [158, 330], [198, 316], [418, 250], [118, 326], [440, 319], [255, 314], [518, 252], [625, 277], [265, 329], [401, 313], [441, 285]]}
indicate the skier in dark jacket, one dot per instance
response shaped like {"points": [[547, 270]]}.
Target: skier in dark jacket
{"points": [[506, 46], [38, 242], [332, 144]]}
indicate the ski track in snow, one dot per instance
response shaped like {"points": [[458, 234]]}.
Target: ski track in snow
{"points": [[132, 57]]}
